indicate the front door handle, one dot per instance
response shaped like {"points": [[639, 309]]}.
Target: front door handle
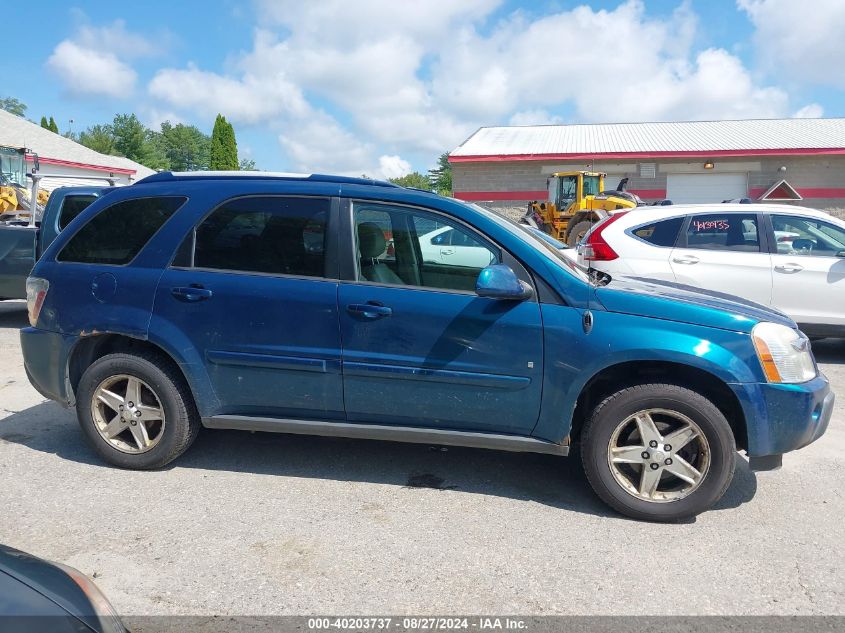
{"points": [[191, 294], [369, 310], [789, 268], [685, 259]]}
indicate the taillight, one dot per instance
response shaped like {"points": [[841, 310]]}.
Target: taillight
{"points": [[596, 247], [36, 291]]}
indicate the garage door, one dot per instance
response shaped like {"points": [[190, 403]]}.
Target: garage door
{"points": [[696, 188]]}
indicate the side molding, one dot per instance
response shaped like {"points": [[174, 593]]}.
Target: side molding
{"points": [[413, 435]]}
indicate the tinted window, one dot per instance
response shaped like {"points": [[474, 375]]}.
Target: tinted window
{"points": [[402, 247], [724, 232], [809, 237], [73, 206], [663, 233], [118, 233], [276, 235]]}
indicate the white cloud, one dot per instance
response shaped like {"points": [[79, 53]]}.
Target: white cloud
{"points": [[534, 117], [84, 71], [393, 166], [809, 111], [115, 38], [247, 99], [803, 43], [94, 61]]}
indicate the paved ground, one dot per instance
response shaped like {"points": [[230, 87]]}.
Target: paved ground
{"points": [[266, 524]]}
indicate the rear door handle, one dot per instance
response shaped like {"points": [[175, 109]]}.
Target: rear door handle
{"points": [[789, 268], [369, 310], [685, 259], [191, 294], [447, 251]]}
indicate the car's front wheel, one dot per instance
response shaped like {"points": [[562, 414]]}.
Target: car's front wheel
{"points": [[136, 410], [658, 452]]}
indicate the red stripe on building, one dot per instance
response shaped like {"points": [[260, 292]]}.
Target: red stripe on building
{"points": [[539, 195], [806, 192], [649, 193], [68, 163], [685, 154]]}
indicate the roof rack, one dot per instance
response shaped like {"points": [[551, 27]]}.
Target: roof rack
{"points": [[170, 176]]}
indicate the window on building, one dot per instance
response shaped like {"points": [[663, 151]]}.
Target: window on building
{"points": [[119, 232], [663, 233], [724, 232], [276, 235]]}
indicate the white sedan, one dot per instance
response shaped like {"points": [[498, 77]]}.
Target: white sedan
{"points": [[787, 257], [445, 245]]}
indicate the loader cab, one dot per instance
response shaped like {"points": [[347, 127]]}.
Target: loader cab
{"points": [[566, 188]]}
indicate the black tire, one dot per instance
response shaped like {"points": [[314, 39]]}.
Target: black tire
{"points": [[613, 410], [578, 231], [159, 373]]}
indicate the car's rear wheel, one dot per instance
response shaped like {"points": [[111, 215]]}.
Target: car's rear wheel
{"points": [[136, 410], [658, 452]]}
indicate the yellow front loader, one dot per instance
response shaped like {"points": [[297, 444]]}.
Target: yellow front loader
{"points": [[15, 192], [577, 200]]}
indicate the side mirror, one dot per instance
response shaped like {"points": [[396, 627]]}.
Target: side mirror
{"points": [[498, 281]]}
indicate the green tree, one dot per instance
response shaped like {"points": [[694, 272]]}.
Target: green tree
{"points": [[53, 126], [185, 147], [247, 164], [224, 147], [44, 123], [441, 176], [133, 140], [10, 104], [99, 138], [414, 179]]}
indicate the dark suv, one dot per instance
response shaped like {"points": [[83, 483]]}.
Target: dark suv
{"points": [[336, 306]]}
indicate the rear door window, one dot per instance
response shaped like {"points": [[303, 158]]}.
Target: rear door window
{"points": [[661, 233], [119, 232], [724, 232], [264, 234]]}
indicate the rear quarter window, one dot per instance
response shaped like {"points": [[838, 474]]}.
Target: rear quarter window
{"points": [[119, 232], [72, 206], [661, 233]]}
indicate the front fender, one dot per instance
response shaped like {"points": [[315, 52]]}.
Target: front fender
{"points": [[573, 358]]}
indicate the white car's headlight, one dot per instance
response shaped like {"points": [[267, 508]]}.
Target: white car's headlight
{"points": [[783, 353]]}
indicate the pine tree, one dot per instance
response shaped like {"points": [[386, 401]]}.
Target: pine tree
{"points": [[224, 147], [44, 123], [53, 127]]}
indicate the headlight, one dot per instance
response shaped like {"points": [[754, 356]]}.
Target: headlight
{"points": [[103, 610], [783, 353]]}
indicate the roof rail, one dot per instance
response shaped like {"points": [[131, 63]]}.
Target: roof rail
{"points": [[170, 176]]}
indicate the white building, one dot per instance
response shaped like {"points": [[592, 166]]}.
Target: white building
{"points": [[58, 155]]}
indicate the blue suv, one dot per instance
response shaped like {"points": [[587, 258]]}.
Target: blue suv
{"points": [[323, 305]]}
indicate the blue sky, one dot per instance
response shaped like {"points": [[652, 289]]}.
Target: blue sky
{"points": [[384, 86]]}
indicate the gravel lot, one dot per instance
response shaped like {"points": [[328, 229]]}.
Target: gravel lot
{"points": [[269, 524]]}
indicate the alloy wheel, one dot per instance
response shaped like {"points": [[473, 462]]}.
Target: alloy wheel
{"points": [[658, 455], [128, 414]]}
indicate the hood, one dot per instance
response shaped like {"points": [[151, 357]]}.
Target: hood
{"points": [[686, 304]]}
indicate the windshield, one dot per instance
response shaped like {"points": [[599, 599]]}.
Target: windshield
{"points": [[591, 185], [544, 245]]}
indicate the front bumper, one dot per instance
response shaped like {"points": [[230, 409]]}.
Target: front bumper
{"points": [[45, 356], [781, 418]]}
